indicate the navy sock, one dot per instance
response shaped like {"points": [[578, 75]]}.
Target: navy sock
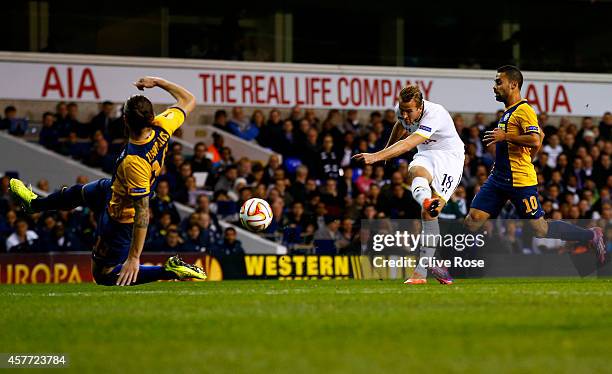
{"points": [[566, 231], [146, 274], [65, 199]]}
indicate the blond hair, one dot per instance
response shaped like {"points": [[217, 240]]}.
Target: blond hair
{"points": [[409, 93]]}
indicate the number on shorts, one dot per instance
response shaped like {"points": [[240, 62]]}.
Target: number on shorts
{"points": [[532, 204], [447, 182]]}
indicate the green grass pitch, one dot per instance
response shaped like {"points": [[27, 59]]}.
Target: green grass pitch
{"points": [[494, 325]]}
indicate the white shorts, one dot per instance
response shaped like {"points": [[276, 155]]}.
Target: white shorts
{"points": [[446, 168]]}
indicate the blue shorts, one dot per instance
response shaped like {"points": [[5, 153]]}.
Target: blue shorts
{"points": [[493, 196], [112, 238]]}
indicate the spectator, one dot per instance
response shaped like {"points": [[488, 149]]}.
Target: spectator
{"points": [[83, 131], [495, 123], [272, 130], [210, 232], [331, 128], [162, 202], [309, 150], [226, 182], [100, 158], [216, 148], [480, 122], [553, 149], [605, 126], [544, 124], [16, 126], [220, 120], [193, 240], [346, 187], [330, 164], [158, 231], [240, 127], [62, 122], [311, 117], [603, 170], [585, 125], [286, 142], [245, 169], [23, 239], [475, 139], [460, 127], [200, 162], [43, 185], [103, 120], [296, 115], [48, 137], [348, 232], [63, 240], [364, 181], [348, 145], [230, 246], [271, 168], [351, 124], [334, 203], [172, 242], [328, 237]]}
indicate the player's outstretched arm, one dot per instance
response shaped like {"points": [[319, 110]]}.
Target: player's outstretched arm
{"points": [[395, 150], [396, 134], [184, 99], [129, 271]]}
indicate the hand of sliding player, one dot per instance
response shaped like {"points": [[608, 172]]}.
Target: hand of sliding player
{"points": [[129, 272]]}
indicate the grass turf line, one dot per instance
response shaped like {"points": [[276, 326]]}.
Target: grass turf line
{"points": [[494, 325]]}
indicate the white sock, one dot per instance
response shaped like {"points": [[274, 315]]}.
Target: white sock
{"points": [[420, 190], [430, 227]]}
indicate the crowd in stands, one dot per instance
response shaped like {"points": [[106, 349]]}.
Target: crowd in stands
{"points": [[318, 194]]}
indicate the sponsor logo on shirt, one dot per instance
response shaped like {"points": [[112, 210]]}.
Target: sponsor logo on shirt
{"points": [[533, 128], [138, 190], [422, 127]]}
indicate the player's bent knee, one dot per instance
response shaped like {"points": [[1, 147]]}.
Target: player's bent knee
{"points": [[105, 279]]}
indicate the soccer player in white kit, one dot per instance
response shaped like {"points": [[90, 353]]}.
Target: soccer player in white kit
{"points": [[436, 170]]}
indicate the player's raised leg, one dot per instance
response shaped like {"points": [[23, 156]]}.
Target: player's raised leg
{"points": [[558, 229], [93, 193]]}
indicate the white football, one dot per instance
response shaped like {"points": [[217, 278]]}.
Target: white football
{"points": [[256, 214]]}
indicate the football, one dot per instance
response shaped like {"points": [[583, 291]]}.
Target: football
{"points": [[256, 214]]}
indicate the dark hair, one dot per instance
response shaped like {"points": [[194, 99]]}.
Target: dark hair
{"points": [[106, 102], [220, 113], [513, 73], [138, 112], [10, 108], [229, 229], [47, 114]]}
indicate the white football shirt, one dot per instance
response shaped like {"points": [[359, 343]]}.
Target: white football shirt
{"points": [[437, 126]]}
